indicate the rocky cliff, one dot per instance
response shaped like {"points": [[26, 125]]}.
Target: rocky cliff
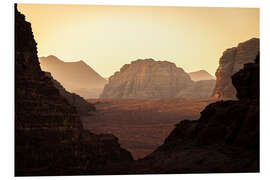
{"points": [[153, 79], [77, 77], [224, 139], [200, 75], [82, 106], [49, 138], [231, 62]]}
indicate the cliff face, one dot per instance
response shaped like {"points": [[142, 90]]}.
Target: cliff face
{"points": [[231, 62], [77, 77], [49, 138], [82, 106], [147, 79], [224, 139]]}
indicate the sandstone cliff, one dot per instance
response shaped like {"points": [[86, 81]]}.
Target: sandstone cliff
{"points": [[77, 77], [49, 138], [200, 75], [147, 79], [224, 139], [231, 62]]}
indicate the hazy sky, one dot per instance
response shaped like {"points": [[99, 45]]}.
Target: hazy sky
{"points": [[107, 37]]}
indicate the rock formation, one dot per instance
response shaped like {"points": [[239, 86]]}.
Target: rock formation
{"points": [[155, 79], [77, 77], [198, 89], [224, 139], [82, 106], [147, 79], [200, 75], [231, 62], [49, 137]]}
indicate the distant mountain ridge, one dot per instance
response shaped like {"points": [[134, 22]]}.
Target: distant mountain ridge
{"points": [[74, 76], [200, 75]]}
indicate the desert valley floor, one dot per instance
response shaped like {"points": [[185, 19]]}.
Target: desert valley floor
{"points": [[142, 125]]}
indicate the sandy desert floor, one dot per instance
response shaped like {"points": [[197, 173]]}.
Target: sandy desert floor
{"points": [[142, 125]]}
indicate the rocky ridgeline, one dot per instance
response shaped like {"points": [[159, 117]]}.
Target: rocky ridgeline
{"points": [[148, 78], [224, 139], [49, 138], [77, 77], [200, 75], [82, 106], [232, 61]]}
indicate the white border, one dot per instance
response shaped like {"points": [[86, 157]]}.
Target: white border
{"points": [[7, 84]]}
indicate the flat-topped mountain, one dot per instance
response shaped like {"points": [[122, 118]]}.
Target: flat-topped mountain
{"points": [[77, 77], [200, 75], [232, 61], [147, 78]]}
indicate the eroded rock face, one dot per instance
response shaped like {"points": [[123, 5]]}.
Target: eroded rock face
{"points": [[49, 137], [232, 61], [147, 79], [224, 139], [82, 106]]}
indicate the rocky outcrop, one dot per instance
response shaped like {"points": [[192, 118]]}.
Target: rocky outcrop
{"points": [[232, 61], [200, 75], [224, 139], [49, 137], [147, 79], [198, 89], [74, 76], [82, 106]]}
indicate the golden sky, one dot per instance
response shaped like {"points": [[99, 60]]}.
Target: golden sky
{"points": [[107, 37]]}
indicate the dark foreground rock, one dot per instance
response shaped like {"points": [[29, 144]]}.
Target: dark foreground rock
{"points": [[49, 137], [224, 139], [82, 106]]}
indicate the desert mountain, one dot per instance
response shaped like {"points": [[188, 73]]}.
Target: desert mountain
{"points": [[224, 139], [232, 61], [77, 77], [82, 106], [49, 137], [147, 78], [200, 75]]}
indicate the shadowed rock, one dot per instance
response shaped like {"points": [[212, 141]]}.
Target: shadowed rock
{"points": [[232, 61], [49, 138], [82, 106], [224, 139]]}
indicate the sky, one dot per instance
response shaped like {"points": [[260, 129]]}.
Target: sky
{"points": [[107, 37]]}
